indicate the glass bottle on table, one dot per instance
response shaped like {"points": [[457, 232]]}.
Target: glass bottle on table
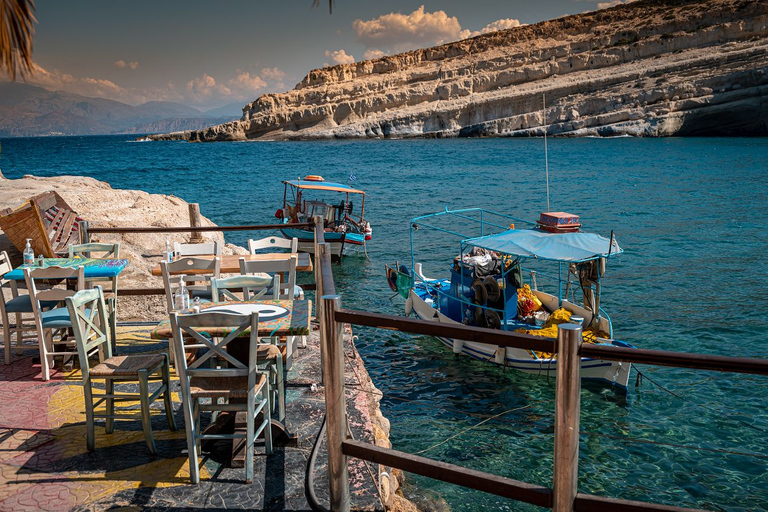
{"points": [[181, 298], [28, 254], [168, 254]]}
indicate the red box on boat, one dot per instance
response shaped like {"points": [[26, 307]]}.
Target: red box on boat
{"points": [[559, 222]]}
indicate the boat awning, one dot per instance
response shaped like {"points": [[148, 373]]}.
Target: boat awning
{"points": [[531, 243], [323, 185]]}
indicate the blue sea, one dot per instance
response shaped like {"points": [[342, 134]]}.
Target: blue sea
{"points": [[690, 214]]}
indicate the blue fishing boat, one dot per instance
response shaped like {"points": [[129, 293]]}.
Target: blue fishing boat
{"points": [[344, 226], [495, 280]]}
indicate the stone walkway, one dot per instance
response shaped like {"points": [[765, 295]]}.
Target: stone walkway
{"points": [[44, 464]]}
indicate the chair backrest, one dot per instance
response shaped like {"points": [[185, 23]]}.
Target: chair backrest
{"points": [[252, 287], [200, 249], [273, 242], [52, 293], [100, 250], [285, 266], [190, 332], [194, 270], [5, 267], [5, 264], [90, 326]]}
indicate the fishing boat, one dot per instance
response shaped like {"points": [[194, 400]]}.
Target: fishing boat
{"points": [[344, 226], [494, 283]]}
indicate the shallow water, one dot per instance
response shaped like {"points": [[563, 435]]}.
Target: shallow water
{"points": [[689, 214]]}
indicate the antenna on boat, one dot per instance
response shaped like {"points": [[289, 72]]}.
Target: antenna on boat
{"points": [[546, 157]]}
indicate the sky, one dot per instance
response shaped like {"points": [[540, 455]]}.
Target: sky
{"points": [[207, 54]]}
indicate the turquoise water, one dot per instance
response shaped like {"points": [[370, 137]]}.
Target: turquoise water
{"points": [[690, 214]]}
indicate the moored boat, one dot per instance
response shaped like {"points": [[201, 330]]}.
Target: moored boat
{"points": [[489, 286], [344, 227]]}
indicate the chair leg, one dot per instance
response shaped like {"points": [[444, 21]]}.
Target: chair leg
{"points": [[112, 307], [250, 437], [196, 415], [190, 422], [89, 427], [145, 417], [268, 419], [7, 341], [167, 394], [280, 389], [109, 386], [46, 361]]}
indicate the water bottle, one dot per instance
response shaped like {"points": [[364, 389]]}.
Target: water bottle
{"points": [[196, 305], [167, 254], [181, 299], [28, 254]]}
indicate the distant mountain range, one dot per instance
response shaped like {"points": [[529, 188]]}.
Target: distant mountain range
{"points": [[27, 110]]}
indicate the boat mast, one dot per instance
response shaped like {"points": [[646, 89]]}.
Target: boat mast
{"points": [[546, 157]]}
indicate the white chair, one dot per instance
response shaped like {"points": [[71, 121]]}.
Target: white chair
{"points": [[201, 249], [285, 267], [253, 287], [13, 305], [101, 251], [195, 270], [56, 320], [88, 315], [205, 378], [273, 242]]}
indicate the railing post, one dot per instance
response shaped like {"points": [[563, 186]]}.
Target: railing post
{"points": [[567, 410], [322, 249], [85, 237], [332, 341]]}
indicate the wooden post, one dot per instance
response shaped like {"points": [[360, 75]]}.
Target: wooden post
{"points": [[194, 221], [85, 237], [332, 341], [567, 410]]}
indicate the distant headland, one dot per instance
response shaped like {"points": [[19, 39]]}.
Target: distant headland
{"points": [[649, 68]]}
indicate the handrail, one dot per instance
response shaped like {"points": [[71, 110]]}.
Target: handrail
{"points": [[184, 229]]}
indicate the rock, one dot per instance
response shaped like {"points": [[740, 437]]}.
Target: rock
{"points": [[103, 206], [650, 54]]}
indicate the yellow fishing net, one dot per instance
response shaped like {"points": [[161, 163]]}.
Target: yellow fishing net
{"points": [[549, 330], [527, 302]]}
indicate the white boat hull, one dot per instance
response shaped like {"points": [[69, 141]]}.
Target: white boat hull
{"points": [[616, 373]]}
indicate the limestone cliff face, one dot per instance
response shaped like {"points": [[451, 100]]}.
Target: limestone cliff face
{"points": [[649, 68]]}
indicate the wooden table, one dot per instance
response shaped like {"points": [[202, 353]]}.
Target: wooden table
{"points": [[230, 263], [92, 267]]}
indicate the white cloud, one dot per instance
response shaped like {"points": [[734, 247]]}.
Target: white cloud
{"points": [[122, 64], [373, 53], [401, 32], [273, 74], [340, 57], [492, 27], [613, 3], [398, 32]]}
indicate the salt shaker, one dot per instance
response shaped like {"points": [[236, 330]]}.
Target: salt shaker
{"points": [[196, 305]]}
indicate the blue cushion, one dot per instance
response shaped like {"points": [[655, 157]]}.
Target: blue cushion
{"points": [[57, 318], [22, 304]]}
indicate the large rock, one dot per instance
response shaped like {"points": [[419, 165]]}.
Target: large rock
{"points": [[103, 206], [648, 68]]}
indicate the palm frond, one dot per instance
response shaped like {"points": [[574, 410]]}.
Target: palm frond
{"points": [[16, 20], [316, 3]]}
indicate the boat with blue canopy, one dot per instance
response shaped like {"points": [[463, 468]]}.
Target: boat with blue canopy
{"points": [[344, 226], [495, 280]]}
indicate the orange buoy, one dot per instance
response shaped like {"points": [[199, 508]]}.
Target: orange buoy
{"points": [[313, 177]]}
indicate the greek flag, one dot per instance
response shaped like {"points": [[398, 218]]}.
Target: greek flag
{"points": [[352, 177]]}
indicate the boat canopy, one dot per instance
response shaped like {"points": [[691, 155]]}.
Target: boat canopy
{"points": [[532, 243], [323, 185]]}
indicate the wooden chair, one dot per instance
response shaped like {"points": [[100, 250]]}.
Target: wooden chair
{"points": [[88, 316], [16, 306], [201, 249], [288, 290], [202, 379], [273, 242], [253, 287], [102, 251], [195, 270], [56, 320]]}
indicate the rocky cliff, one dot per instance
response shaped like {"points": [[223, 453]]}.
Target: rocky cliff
{"points": [[648, 68]]}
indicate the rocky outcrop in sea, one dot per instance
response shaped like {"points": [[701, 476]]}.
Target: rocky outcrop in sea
{"points": [[649, 68]]}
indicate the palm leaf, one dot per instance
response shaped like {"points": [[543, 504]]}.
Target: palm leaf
{"points": [[316, 3], [16, 19]]}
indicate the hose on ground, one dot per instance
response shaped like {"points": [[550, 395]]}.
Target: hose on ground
{"points": [[309, 479]]}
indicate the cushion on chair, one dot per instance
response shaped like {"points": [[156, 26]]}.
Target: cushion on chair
{"points": [[127, 366], [223, 387], [22, 304], [57, 318], [268, 351]]}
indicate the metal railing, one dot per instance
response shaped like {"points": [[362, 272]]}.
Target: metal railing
{"points": [[563, 495]]}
